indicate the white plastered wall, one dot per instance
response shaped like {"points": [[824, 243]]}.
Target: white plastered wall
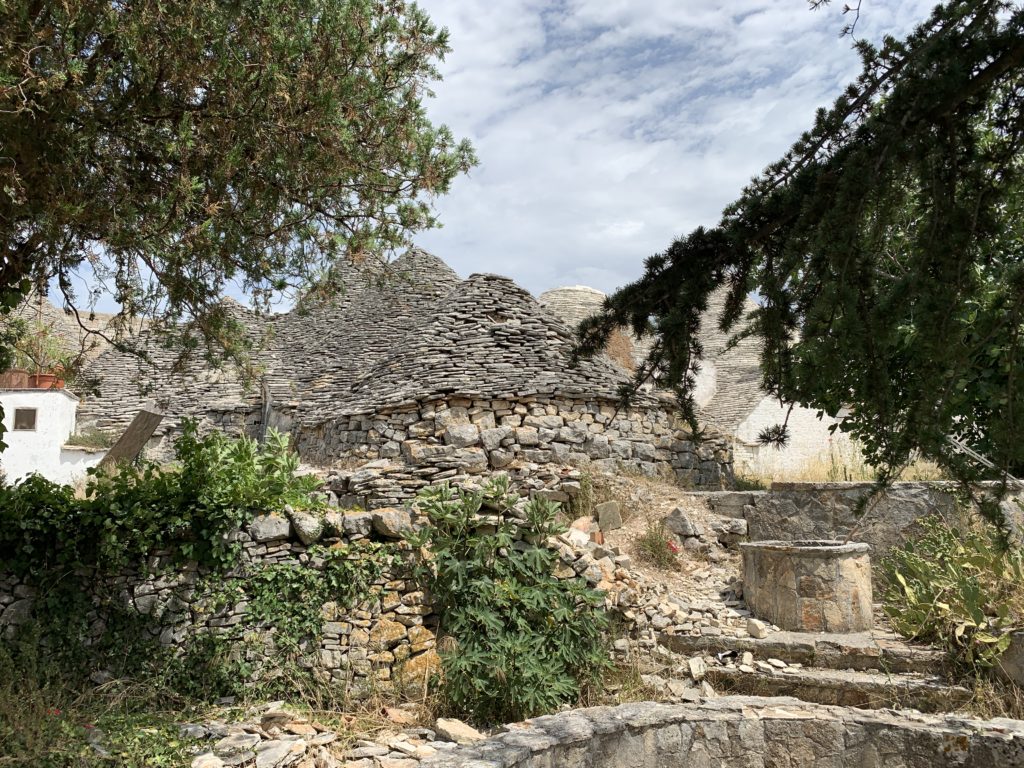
{"points": [[810, 442], [706, 383], [40, 450]]}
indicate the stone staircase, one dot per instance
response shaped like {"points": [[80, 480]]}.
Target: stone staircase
{"points": [[872, 670]]}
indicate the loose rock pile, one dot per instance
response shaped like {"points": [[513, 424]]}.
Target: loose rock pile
{"points": [[278, 737]]}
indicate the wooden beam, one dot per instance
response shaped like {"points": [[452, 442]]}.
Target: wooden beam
{"points": [[130, 444]]}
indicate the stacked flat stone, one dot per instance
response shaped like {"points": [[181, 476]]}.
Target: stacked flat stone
{"points": [[124, 382], [321, 348], [490, 339]]}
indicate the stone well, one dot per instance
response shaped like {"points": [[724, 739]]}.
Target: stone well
{"points": [[809, 586], [742, 732]]}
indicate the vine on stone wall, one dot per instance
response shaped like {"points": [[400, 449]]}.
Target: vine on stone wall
{"points": [[75, 556]]}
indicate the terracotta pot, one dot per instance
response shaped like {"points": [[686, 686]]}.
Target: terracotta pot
{"points": [[15, 378], [43, 381]]}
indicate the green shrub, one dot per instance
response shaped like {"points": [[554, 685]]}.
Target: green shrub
{"points": [[958, 589], [515, 641], [38, 525], [216, 485]]}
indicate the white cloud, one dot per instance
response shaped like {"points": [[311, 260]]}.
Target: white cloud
{"points": [[605, 129]]}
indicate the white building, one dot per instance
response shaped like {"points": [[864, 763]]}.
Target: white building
{"points": [[38, 424]]}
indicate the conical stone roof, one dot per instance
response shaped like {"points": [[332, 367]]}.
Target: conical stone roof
{"points": [[737, 369], [119, 383], [320, 350], [489, 339]]}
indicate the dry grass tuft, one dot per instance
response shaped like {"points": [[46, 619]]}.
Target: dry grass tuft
{"points": [[843, 463]]}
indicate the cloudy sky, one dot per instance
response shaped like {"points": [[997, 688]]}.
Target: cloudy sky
{"points": [[606, 128]]}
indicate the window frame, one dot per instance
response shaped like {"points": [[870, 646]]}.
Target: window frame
{"points": [[35, 419]]}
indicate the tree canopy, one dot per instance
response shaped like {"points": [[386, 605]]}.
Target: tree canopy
{"points": [[887, 248], [170, 147], [163, 148]]}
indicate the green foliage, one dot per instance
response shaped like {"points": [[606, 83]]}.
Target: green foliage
{"points": [[161, 148], [886, 249], [956, 588], [92, 438], [216, 486], [516, 641], [743, 483], [657, 547], [139, 141]]}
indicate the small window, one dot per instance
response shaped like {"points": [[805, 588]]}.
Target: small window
{"points": [[24, 419]]}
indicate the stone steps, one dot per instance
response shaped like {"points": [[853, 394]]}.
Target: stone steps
{"points": [[864, 690], [857, 651]]}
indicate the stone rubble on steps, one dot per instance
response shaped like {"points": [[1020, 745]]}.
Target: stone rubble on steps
{"points": [[647, 606], [276, 736]]}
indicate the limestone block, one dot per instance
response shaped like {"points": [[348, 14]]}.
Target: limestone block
{"points": [[462, 435], [500, 459], [457, 731], [391, 523], [596, 446], [420, 667], [308, 527], [265, 528], [387, 633], [609, 516], [472, 460], [491, 438], [350, 523], [679, 523]]}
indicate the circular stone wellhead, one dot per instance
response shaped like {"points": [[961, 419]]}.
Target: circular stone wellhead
{"points": [[742, 732], [809, 586]]}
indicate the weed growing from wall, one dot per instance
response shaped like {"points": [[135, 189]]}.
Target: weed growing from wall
{"points": [[515, 640]]}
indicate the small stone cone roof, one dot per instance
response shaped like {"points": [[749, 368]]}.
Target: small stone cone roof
{"points": [[572, 304], [738, 370], [321, 350], [489, 339], [125, 382]]}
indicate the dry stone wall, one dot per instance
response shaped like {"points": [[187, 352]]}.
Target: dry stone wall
{"points": [[386, 635], [443, 438], [794, 511]]}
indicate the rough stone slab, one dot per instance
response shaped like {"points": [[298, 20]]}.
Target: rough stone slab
{"points": [[266, 528], [847, 688], [857, 651]]}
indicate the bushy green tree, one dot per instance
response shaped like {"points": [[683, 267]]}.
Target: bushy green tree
{"points": [[173, 146], [886, 247]]}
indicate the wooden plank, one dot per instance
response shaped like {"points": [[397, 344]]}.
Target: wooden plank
{"points": [[130, 444]]}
